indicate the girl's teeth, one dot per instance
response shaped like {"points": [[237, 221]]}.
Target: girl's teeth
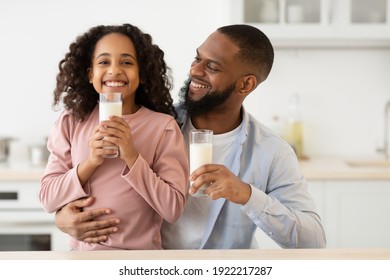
{"points": [[114, 84]]}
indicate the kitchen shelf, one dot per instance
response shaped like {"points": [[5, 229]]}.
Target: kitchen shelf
{"points": [[318, 23]]}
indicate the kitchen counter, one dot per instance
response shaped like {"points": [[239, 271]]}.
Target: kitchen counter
{"points": [[20, 172], [263, 254], [340, 169], [313, 169]]}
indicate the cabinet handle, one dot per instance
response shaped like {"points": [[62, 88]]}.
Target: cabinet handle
{"points": [[8, 195]]}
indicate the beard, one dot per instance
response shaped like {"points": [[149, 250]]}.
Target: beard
{"points": [[207, 103]]}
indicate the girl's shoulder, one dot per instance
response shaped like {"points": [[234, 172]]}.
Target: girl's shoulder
{"points": [[67, 118], [154, 118]]}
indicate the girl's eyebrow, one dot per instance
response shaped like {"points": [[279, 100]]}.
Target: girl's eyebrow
{"points": [[122, 55]]}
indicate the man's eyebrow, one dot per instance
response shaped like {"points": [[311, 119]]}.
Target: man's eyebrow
{"points": [[209, 60]]}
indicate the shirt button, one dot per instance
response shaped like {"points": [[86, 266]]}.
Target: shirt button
{"points": [[270, 233]]}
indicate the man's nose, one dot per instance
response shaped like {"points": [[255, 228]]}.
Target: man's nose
{"points": [[197, 69]]}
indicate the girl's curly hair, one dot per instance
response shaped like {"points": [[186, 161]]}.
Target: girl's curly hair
{"points": [[74, 90]]}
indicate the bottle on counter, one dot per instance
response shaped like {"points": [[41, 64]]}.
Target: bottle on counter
{"points": [[269, 11], [294, 125]]}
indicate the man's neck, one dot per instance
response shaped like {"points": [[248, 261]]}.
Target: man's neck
{"points": [[217, 121]]}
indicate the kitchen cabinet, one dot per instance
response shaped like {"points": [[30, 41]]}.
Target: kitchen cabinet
{"points": [[24, 225], [318, 23], [357, 214], [354, 213]]}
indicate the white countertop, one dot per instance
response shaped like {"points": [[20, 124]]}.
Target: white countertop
{"points": [[249, 254], [339, 169], [313, 169], [20, 172]]}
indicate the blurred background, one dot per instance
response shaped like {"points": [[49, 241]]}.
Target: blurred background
{"points": [[342, 82]]}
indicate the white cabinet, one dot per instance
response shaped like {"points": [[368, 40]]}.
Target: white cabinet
{"points": [[24, 225], [291, 23], [354, 213], [357, 214]]}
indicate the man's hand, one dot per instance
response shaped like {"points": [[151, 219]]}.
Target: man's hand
{"points": [[82, 225], [224, 184]]}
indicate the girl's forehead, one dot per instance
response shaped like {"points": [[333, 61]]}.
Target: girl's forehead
{"points": [[115, 43]]}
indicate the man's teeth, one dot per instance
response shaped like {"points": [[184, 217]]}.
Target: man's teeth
{"points": [[114, 84], [198, 85]]}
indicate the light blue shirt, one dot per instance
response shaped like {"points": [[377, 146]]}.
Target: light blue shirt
{"points": [[280, 203]]}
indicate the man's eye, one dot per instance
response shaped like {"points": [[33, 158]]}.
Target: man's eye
{"points": [[210, 66]]}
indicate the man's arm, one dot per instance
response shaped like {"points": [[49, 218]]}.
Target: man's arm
{"points": [[81, 225]]}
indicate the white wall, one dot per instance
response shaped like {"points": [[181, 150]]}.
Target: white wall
{"points": [[343, 91], [35, 35], [343, 94]]}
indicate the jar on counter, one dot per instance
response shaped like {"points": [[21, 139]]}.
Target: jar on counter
{"points": [[5, 148], [39, 155], [269, 11]]}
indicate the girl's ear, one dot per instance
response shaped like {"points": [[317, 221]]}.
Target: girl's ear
{"points": [[90, 74]]}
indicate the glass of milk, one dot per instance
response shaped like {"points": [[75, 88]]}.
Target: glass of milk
{"points": [[201, 152], [110, 104]]}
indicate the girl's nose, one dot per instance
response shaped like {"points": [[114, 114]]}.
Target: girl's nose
{"points": [[114, 69]]}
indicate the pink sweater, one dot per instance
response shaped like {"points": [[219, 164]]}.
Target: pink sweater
{"points": [[152, 190]]}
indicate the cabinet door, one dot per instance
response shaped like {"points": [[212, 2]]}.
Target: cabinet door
{"points": [[317, 23], [358, 214]]}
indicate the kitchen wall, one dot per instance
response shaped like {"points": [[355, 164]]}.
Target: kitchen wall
{"points": [[343, 91]]}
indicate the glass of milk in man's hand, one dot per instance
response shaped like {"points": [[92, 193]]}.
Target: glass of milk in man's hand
{"points": [[201, 153], [110, 104]]}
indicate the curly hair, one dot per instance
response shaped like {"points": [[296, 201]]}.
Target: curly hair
{"points": [[74, 90]]}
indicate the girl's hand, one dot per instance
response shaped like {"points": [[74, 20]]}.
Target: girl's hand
{"points": [[118, 132], [96, 143], [96, 151]]}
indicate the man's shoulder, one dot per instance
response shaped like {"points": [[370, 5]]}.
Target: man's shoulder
{"points": [[179, 106], [181, 113]]}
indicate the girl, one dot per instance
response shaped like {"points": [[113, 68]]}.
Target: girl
{"points": [[146, 183]]}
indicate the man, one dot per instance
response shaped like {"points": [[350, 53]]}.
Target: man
{"points": [[255, 177]]}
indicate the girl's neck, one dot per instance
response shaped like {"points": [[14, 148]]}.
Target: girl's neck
{"points": [[128, 109]]}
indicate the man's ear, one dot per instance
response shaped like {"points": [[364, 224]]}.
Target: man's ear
{"points": [[247, 84]]}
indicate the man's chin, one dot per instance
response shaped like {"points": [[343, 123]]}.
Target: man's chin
{"points": [[196, 96]]}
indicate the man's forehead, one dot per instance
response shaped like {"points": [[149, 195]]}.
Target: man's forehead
{"points": [[218, 47]]}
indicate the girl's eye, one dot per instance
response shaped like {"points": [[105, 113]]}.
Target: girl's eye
{"points": [[127, 62], [103, 62]]}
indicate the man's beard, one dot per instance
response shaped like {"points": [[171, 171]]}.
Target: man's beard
{"points": [[207, 103]]}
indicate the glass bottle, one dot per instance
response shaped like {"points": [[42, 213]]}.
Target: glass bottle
{"points": [[294, 125]]}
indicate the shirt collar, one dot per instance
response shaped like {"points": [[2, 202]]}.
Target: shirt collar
{"points": [[182, 117]]}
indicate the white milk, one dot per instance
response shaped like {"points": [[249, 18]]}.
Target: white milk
{"points": [[200, 154], [107, 109]]}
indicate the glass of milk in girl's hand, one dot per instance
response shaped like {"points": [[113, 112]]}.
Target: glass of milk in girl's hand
{"points": [[110, 104], [201, 152]]}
